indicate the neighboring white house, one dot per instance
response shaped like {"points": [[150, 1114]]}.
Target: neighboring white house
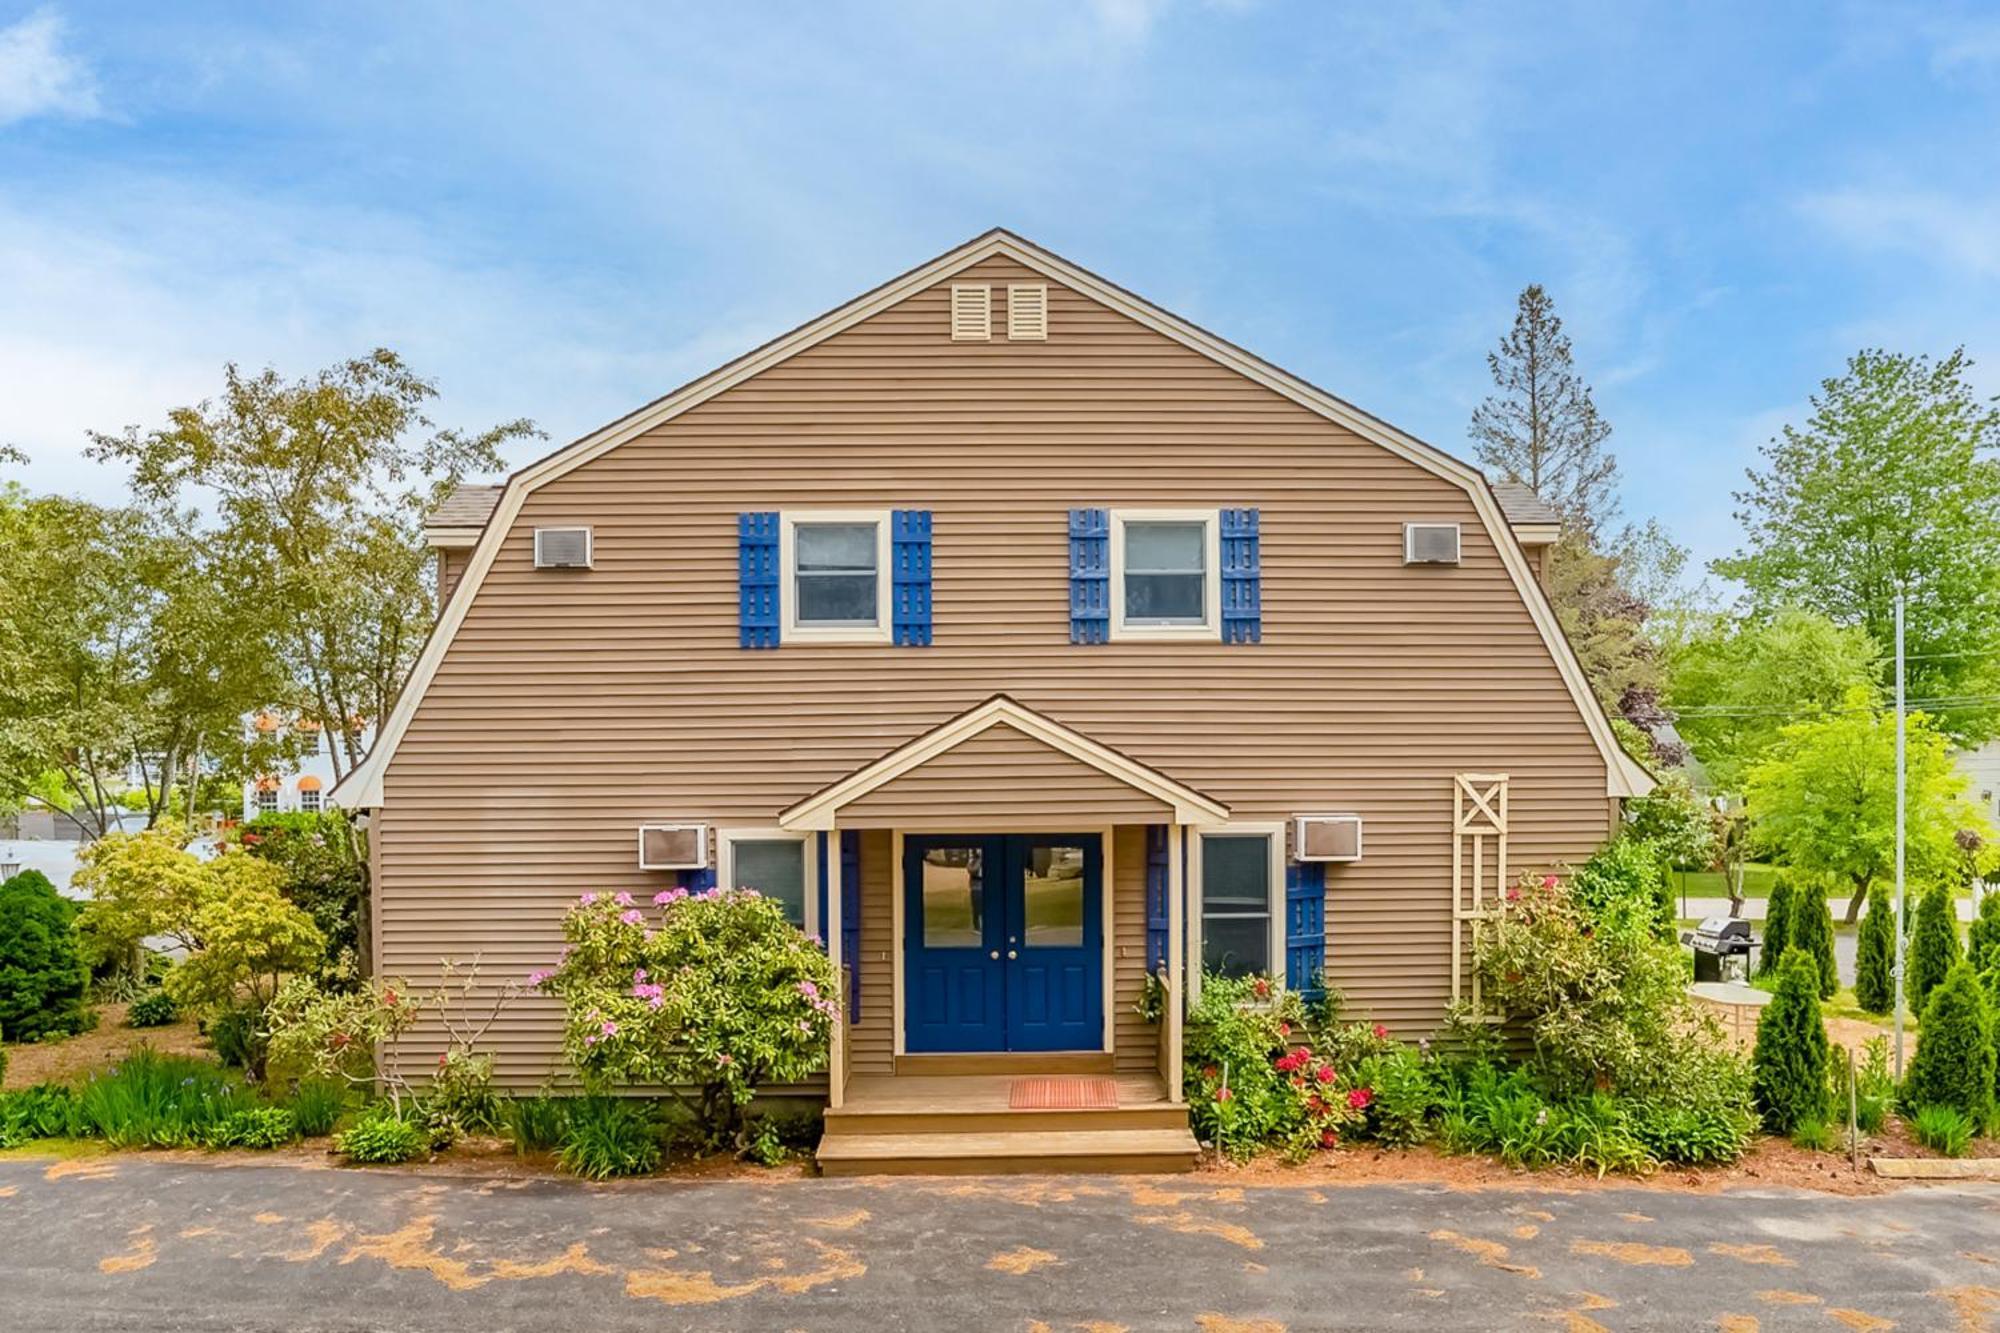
{"points": [[303, 787], [1981, 767]]}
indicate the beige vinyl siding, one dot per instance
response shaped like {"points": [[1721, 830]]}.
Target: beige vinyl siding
{"points": [[872, 1041], [451, 567], [1136, 1045], [570, 709], [1012, 780]]}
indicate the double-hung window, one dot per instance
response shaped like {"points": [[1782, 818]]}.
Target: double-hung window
{"points": [[836, 576], [1240, 881], [776, 864], [1165, 580]]}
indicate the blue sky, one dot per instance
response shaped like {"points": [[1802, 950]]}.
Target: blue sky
{"points": [[559, 211]]}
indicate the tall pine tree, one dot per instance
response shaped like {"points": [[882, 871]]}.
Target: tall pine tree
{"points": [[1777, 927], [1812, 934], [1933, 944], [1789, 1069], [1875, 955], [1982, 942], [1954, 1061]]}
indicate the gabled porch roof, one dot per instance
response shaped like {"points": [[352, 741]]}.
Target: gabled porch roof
{"points": [[820, 810]]}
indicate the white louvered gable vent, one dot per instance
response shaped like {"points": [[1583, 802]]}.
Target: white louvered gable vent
{"points": [[1329, 837], [673, 846], [1430, 543], [971, 312], [1027, 311], [562, 548]]}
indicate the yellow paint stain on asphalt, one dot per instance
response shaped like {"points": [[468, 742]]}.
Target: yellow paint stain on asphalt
{"points": [[840, 1221], [676, 1287], [1737, 1323], [1978, 1258], [1021, 1261], [1028, 1193], [1252, 1267], [1189, 1225], [1753, 1254], [1576, 1321], [9, 1191], [1414, 1274], [1635, 1254], [82, 1168], [1532, 1214], [1861, 1320], [1100, 1326], [410, 1248], [1976, 1307], [575, 1259], [1779, 1296], [1527, 1231], [1219, 1323], [321, 1236], [1491, 1253], [1037, 1326], [268, 1219], [194, 1233], [141, 1255]]}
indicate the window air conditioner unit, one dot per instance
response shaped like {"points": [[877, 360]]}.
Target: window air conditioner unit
{"points": [[562, 548], [1430, 543], [673, 846], [1329, 837]]}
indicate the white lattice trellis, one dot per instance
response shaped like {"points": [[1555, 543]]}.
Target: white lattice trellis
{"points": [[1478, 870]]}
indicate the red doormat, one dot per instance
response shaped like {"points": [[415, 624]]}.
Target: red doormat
{"points": [[1063, 1094]]}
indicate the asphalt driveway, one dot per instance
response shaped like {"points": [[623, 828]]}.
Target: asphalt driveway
{"points": [[150, 1243]]}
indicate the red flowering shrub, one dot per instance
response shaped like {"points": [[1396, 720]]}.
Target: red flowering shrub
{"points": [[1248, 1086]]}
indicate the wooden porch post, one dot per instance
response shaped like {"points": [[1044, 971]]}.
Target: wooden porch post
{"points": [[1176, 964], [836, 1072]]}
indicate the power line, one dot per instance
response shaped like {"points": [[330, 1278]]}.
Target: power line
{"points": [[1942, 701]]}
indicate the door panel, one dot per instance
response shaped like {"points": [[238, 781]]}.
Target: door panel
{"points": [[953, 914]]}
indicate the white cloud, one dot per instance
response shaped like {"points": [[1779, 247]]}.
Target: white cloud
{"points": [[1950, 231], [37, 78]]}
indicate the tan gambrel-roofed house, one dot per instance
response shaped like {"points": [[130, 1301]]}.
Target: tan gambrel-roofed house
{"points": [[1025, 640]]}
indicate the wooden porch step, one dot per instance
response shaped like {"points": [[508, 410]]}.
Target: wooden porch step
{"points": [[871, 1120], [1013, 1152]]}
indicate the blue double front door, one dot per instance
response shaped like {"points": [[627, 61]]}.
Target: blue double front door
{"points": [[1004, 942]]}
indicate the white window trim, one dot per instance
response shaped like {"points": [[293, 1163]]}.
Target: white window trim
{"points": [[725, 863], [1275, 833], [791, 631], [1210, 627]]}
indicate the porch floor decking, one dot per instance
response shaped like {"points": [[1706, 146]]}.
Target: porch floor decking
{"points": [[967, 1124]]}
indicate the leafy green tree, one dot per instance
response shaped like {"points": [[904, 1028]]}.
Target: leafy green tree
{"points": [[1934, 947], [1541, 428], [1790, 1069], [325, 864], [1812, 934], [1875, 955], [1733, 683], [1891, 484], [1675, 822], [314, 490], [1954, 1061], [1823, 799], [1625, 880], [42, 980], [1982, 941], [251, 939], [1777, 927]]}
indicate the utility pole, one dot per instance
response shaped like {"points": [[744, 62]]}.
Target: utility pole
{"points": [[1901, 951]]}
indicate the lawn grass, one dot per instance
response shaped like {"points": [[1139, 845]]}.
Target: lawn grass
{"points": [[1757, 882]]}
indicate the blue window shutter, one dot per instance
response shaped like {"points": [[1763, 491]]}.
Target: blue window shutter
{"points": [[1242, 609], [757, 579], [910, 577], [1156, 897], [695, 881], [1305, 926], [850, 918], [1089, 576]]}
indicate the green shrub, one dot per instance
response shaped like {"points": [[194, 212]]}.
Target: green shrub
{"points": [[1789, 1068], [459, 1098], [715, 991], [1875, 955], [1691, 1135], [1812, 933], [1777, 927], [609, 1136], [316, 1105], [159, 1101], [1625, 876], [153, 1009], [1933, 945], [1874, 1093], [1954, 1061], [1249, 1087], [1982, 940], [381, 1138], [253, 1127], [537, 1124], [325, 860], [1815, 1136], [239, 1038], [1944, 1129], [1597, 1136], [45, 1111], [1403, 1094], [42, 976]]}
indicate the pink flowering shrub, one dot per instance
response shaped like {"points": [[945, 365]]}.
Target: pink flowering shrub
{"points": [[1249, 1087], [709, 995]]}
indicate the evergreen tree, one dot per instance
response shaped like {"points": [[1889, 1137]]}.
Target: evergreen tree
{"points": [[1982, 942], [1954, 1060], [1790, 1067], [1777, 927], [1542, 429], [1933, 945], [41, 976], [1812, 934], [1875, 955]]}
